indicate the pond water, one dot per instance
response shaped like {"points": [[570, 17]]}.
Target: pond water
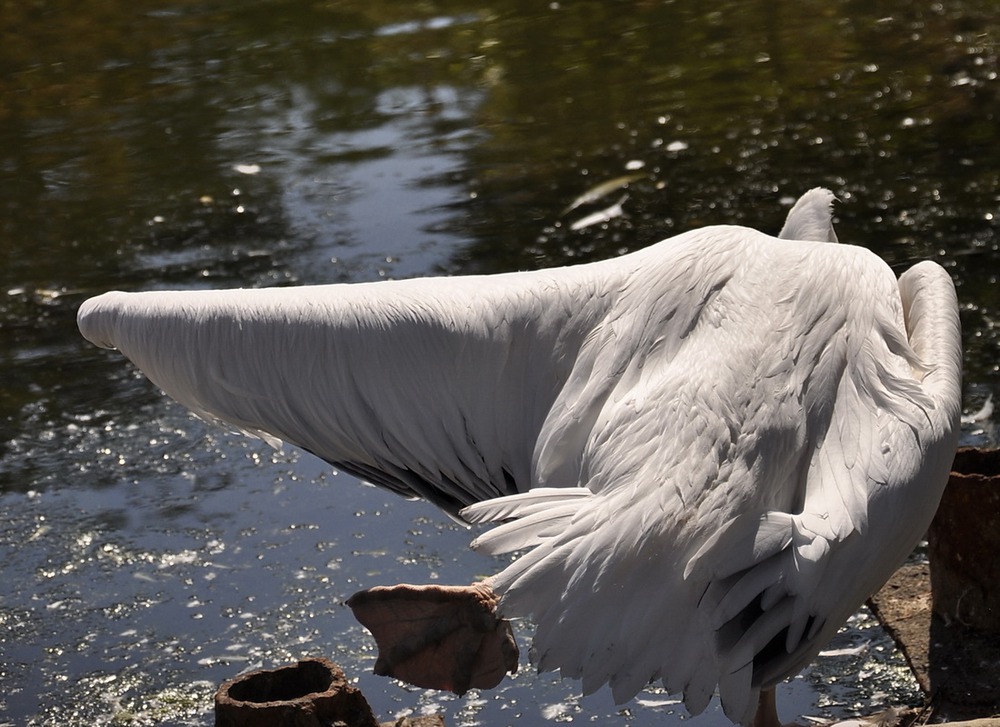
{"points": [[146, 556]]}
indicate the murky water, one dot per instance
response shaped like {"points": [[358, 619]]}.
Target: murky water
{"points": [[146, 557]]}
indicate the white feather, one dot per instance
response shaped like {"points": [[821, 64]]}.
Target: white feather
{"points": [[711, 450], [809, 218]]}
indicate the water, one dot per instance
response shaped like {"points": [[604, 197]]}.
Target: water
{"points": [[147, 557]]}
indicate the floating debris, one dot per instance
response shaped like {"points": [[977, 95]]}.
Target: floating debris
{"points": [[984, 413], [602, 190], [601, 216]]}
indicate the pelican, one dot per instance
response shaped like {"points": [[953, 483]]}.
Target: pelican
{"points": [[707, 452]]}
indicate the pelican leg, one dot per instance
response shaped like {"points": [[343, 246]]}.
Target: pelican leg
{"points": [[438, 637], [767, 710]]}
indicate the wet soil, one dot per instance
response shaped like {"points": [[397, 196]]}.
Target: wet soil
{"points": [[957, 667]]}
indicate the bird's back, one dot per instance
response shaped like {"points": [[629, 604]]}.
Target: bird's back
{"points": [[752, 401]]}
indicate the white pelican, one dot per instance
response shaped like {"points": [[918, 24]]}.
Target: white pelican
{"points": [[711, 451]]}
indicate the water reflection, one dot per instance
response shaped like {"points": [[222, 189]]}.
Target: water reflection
{"points": [[173, 143]]}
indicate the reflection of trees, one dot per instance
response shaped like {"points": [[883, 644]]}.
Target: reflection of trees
{"points": [[112, 115], [110, 125], [152, 103], [770, 98]]}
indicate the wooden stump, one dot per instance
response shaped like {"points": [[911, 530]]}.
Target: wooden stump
{"points": [[311, 693], [964, 543], [953, 646]]}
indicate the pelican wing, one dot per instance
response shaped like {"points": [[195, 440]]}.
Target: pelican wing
{"points": [[435, 388], [455, 390]]}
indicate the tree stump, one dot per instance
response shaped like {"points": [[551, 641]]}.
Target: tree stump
{"points": [[964, 543], [311, 693]]}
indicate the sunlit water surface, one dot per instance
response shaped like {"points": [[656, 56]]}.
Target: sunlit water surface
{"points": [[147, 556]]}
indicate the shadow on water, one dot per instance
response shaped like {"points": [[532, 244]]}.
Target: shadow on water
{"points": [[172, 143]]}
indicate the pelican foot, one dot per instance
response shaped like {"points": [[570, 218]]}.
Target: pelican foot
{"points": [[438, 637]]}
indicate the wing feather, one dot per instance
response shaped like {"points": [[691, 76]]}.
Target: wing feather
{"points": [[536, 500], [412, 385]]}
